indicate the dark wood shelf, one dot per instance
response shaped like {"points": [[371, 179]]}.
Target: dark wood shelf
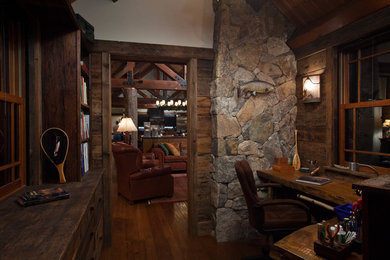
{"points": [[85, 107], [85, 140]]}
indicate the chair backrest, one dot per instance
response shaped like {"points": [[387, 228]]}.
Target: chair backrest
{"points": [[128, 159], [248, 186]]}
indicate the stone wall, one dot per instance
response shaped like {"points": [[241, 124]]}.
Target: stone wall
{"points": [[253, 103]]}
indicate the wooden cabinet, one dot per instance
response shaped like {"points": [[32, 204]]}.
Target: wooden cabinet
{"points": [[375, 216], [63, 229]]}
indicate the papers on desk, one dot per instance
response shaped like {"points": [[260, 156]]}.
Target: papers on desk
{"points": [[313, 180]]}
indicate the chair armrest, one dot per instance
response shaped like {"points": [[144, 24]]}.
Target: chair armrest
{"points": [[159, 153], [148, 156]]}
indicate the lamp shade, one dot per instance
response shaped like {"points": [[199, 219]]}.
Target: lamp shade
{"points": [[127, 125]]}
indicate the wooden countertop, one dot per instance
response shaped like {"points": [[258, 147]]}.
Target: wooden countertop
{"points": [[337, 191], [300, 244], [44, 231]]}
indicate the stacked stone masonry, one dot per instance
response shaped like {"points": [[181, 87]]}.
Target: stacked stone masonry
{"points": [[253, 103]]}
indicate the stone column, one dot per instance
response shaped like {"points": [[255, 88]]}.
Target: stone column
{"points": [[253, 103]]}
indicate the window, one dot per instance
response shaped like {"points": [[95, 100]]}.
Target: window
{"points": [[365, 102], [12, 103]]}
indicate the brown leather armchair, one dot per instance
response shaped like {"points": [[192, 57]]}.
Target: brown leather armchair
{"points": [[271, 216], [136, 180]]}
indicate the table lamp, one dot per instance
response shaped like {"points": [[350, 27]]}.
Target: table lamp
{"points": [[127, 125]]}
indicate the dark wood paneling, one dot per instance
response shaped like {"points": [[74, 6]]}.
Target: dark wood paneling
{"points": [[106, 146], [191, 146], [151, 52], [353, 31], [96, 110], [334, 20], [61, 98], [301, 12]]}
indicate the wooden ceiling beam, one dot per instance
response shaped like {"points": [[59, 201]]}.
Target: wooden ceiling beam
{"points": [[142, 93], [172, 74], [124, 69], [149, 84], [342, 16]]}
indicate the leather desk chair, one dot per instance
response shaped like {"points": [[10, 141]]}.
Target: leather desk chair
{"points": [[136, 180], [271, 216]]}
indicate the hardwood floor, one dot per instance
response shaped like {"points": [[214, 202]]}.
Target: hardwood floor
{"points": [[160, 231]]}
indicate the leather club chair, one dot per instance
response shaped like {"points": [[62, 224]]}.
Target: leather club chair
{"points": [[136, 180], [270, 216]]}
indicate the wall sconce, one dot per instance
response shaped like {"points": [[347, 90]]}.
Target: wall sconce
{"points": [[311, 89]]}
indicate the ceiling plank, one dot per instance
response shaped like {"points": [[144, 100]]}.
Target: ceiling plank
{"points": [[342, 16], [149, 84]]}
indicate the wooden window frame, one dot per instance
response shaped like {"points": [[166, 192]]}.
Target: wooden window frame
{"points": [[14, 95], [345, 102]]}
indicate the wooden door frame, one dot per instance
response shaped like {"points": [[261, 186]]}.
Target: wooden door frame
{"points": [[126, 51]]}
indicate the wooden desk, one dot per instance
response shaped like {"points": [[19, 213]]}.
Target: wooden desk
{"points": [[300, 245], [336, 192]]}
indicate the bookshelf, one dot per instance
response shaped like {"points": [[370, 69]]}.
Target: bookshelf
{"points": [[66, 99], [85, 113]]}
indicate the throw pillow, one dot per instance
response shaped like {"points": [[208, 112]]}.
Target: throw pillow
{"points": [[164, 148], [172, 149], [183, 148]]}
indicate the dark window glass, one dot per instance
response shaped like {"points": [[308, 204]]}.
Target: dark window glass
{"points": [[353, 55], [17, 172], [348, 157], [5, 133], [375, 46], [5, 176], [368, 129], [383, 161], [353, 82], [374, 83], [16, 133], [349, 129]]}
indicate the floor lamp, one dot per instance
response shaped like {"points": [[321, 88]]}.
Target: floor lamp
{"points": [[127, 125]]}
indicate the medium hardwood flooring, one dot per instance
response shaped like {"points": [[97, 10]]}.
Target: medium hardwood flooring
{"points": [[160, 231]]}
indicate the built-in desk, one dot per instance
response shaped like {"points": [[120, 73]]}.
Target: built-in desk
{"points": [[300, 244], [336, 192], [63, 229]]}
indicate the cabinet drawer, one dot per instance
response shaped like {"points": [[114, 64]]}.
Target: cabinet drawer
{"points": [[99, 239]]}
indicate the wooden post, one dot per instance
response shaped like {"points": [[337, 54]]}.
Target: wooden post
{"points": [[131, 111]]}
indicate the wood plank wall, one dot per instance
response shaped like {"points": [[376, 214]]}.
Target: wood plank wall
{"points": [[199, 118], [100, 132], [317, 137], [61, 100]]}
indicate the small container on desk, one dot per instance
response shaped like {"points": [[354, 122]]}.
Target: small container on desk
{"points": [[281, 165], [332, 250]]}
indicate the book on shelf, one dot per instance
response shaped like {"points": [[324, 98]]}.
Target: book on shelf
{"points": [[30, 198], [316, 180], [84, 125], [83, 91], [84, 68], [84, 158]]}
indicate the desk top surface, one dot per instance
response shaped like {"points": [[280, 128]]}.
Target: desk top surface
{"points": [[337, 191], [300, 244]]}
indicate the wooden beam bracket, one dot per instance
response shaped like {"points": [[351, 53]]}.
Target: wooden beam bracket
{"points": [[130, 81]]}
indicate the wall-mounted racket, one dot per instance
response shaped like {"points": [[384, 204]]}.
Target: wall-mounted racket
{"points": [[55, 144]]}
